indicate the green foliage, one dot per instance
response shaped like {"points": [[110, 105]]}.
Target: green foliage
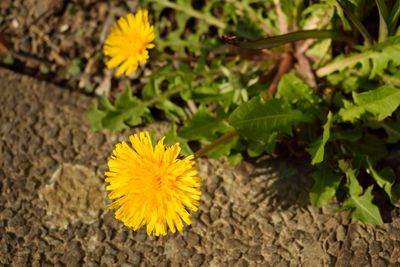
{"points": [[178, 38], [317, 149], [257, 119], [204, 126], [75, 67], [372, 61], [359, 201], [380, 102], [171, 138], [127, 111], [338, 100], [386, 179], [325, 185], [293, 89]]}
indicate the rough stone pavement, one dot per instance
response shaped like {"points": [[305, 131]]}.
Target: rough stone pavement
{"points": [[53, 205]]}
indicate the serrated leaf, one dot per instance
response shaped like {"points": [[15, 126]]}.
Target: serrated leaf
{"points": [[360, 203], [317, 150], [385, 179], [172, 111], [122, 119], [325, 185], [381, 102], [94, 116], [125, 99], [203, 126], [105, 104], [350, 112], [257, 119], [349, 82], [293, 89], [171, 138], [374, 60], [389, 53], [127, 111]]}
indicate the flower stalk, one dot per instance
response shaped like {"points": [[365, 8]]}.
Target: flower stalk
{"points": [[222, 139]]}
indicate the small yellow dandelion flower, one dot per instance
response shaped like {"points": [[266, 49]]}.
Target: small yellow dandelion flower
{"points": [[151, 186], [128, 42]]}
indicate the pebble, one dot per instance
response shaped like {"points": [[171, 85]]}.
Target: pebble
{"points": [[15, 23], [192, 239], [73, 255], [64, 28], [187, 252], [197, 260]]}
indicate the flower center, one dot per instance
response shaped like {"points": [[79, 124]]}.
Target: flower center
{"points": [[157, 182]]}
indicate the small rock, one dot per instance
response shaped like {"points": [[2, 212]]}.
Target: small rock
{"points": [[236, 254], [109, 260], [15, 23], [236, 244], [135, 257], [187, 252], [122, 257], [192, 239], [215, 213], [6, 214], [241, 263], [121, 236], [255, 250], [64, 28], [197, 260], [340, 233], [141, 236], [180, 243], [251, 257], [74, 254], [205, 218]]}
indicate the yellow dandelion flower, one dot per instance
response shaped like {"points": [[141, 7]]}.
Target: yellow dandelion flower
{"points": [[152, 186], [128, 42]]}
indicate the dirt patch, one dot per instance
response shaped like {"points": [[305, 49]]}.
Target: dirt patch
{"points": [[60, 41], [73, 194], [253, 214]]}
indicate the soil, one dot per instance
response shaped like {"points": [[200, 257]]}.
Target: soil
{"points": [[53, 208], [60, 41]]}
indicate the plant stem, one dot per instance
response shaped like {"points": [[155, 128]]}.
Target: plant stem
{"points": [[163, 96], [383, 16], [340, 64], [357, 23], [191, 12], [393, 18], [284, 66], [279, 40], [222, 139]]}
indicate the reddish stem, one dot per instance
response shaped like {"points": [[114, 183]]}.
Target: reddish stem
{"points": [[284, 66]]}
